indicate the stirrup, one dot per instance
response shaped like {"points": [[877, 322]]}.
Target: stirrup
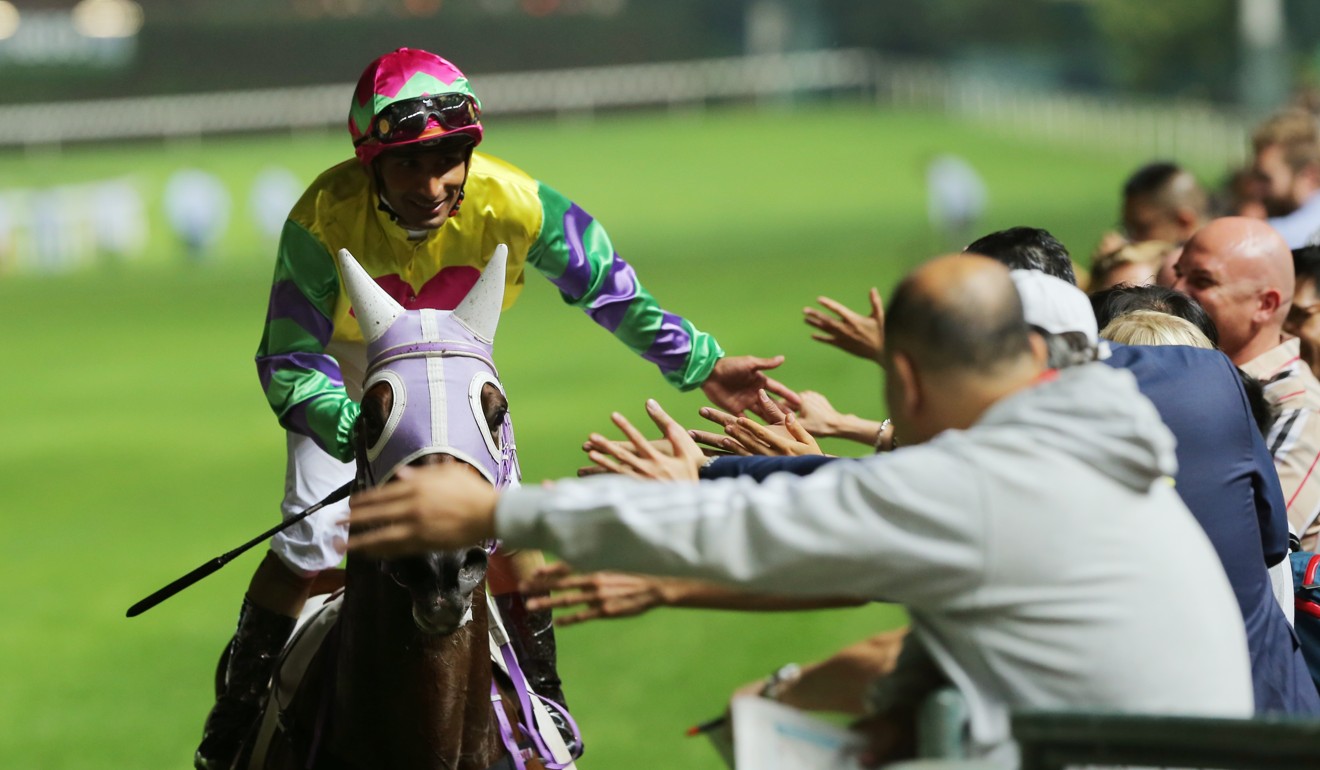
{"points": [[566, 725]]}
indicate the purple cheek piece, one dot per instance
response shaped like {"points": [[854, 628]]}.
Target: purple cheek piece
{"points": [[437, 367]]}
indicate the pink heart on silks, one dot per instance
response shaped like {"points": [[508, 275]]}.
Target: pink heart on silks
{"points": [[443, 292]]}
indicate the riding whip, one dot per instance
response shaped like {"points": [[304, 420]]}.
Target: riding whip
{"points": [[223, 559]]}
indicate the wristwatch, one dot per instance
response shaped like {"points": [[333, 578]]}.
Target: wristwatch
{"points": [[781, 678]]}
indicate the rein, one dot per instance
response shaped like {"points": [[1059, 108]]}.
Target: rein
{"points": [[529, 709]]}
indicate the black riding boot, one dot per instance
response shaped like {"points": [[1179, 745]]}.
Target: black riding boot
{"points": [[532, 635], [252, 654]]}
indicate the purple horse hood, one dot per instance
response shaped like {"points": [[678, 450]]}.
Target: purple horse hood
{"points": [[436, 363]]}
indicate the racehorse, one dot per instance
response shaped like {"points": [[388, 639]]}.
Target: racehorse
{"points": [[403, 677]]}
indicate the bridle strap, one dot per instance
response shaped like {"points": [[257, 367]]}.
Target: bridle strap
{"points": [[441, 349]]}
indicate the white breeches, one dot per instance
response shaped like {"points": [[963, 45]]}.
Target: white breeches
{"points": [[308, 547]]}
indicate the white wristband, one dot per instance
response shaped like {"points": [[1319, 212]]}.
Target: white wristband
{"points": [[781, 678]]}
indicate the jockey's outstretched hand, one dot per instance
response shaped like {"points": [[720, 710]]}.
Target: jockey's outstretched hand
{"points": [[594, 596], [431, 508], [736, 381], [848, 330], [783, 435], [638, 458]]}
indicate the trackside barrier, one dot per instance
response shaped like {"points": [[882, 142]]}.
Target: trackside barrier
{"points": [[1170, 129], [566, 91], [1176, 129], [1054, 741]]}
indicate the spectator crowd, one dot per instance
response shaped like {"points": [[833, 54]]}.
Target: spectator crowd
{"points": [[1095, 489]]}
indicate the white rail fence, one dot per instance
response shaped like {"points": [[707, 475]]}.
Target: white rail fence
{"points": [[1180, 129], [564, 91], [1175, 129]]}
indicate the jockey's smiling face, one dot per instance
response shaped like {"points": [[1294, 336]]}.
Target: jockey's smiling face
{"points": [[422, 184]]}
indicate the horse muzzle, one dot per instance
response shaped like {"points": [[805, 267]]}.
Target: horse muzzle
{"points": [[441, 586], [442, 618]]}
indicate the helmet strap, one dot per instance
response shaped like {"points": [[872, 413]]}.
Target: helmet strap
{"points": [[462, 191], [384, 205]]}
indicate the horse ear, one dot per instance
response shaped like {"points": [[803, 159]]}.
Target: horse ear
{"points": [[480, 309], [375, 310]]}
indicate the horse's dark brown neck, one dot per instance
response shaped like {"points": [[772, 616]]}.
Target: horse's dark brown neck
{"points": [[405, 699]]}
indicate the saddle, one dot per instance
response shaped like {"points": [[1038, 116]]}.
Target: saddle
{"points": [[312, 647]]}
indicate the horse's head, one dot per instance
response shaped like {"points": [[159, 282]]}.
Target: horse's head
{"points": [[432, 395]]}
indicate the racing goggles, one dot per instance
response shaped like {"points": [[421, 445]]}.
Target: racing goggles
{"points": [[408, 120]]}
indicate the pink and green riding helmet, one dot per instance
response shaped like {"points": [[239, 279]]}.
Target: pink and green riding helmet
{"points": [[410, 96]]}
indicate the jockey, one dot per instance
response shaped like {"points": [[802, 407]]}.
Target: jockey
{"points": [[422, 212]]}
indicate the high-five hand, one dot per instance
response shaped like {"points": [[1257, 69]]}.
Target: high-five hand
{"points": [[432, 508]]}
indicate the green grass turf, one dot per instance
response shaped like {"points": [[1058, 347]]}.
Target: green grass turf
{"points": [[136, 443]]}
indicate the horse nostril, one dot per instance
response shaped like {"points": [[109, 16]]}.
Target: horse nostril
{"points": [[437, 616], [475, 558], [472, 571]]}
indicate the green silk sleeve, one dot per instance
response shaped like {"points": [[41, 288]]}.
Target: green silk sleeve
{"points": [[575, 253], [302, 382]]}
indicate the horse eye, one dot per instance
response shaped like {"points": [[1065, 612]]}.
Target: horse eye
{"points": [[373, 423], [376, 405], [496, 421]]}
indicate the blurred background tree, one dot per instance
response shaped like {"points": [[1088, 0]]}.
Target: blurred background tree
{"points": [[1172, 48]]}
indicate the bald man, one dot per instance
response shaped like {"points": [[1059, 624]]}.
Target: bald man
{"points": [[1241, 272], [1028, 538]]}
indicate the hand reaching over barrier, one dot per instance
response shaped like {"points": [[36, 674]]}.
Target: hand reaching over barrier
{"points": [[607, 595], [782, 435], [848, 330], [611, 446], [431, 508], [819, 417], [640, 458], [594, 595]]}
